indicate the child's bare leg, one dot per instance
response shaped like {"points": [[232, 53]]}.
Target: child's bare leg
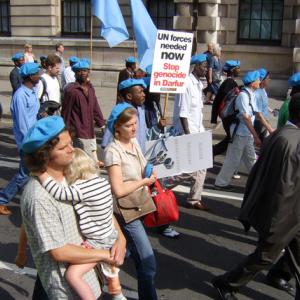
{"points": [[114, 286], [113, 281], [74, 276]]}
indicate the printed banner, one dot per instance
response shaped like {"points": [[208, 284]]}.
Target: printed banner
{"points": [[180, 154], [171, 64]]}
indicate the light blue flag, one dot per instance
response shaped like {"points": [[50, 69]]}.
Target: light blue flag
{"points": [[144, 32], [113, 26]]}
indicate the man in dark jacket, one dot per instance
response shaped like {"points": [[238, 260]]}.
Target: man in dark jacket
{"points": [[14, 76], [271, 206], [80, 109], [232, 70]]}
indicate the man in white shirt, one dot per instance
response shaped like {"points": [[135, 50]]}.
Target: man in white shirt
{"points": [[188, 118], [48, 87]]}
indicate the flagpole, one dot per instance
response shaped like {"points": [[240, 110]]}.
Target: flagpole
{"points": [[166, 105], [91, 41]]}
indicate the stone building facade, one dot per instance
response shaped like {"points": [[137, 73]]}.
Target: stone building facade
{"points": [[260, 33]]}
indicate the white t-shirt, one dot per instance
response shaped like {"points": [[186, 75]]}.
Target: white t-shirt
{"points": [[68, 76], [53, 89], [189, 105]]}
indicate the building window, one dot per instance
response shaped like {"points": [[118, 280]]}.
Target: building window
{"points": [[76, 17], [4, 17], [162, 12], [260, 21]]}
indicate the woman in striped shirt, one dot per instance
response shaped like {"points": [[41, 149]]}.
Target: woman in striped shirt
{"points": [[92, 200]]}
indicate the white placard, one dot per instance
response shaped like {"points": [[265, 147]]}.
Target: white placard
{"points": [[171, 64], [180, 154]]}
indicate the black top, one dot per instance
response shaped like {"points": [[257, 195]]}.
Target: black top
{"points": [[225, 87]]}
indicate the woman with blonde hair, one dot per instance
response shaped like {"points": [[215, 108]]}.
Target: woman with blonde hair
{"points": [[28, 54], [125, 164]]}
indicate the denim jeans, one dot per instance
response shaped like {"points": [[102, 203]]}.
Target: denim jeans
{"points": [[142, 253], [15, 184]]}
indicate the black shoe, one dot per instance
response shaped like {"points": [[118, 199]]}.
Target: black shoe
{"points": [[224, 293], [227, 188], [281, 284]]}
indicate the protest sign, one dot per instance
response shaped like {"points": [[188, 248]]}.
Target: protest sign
{"points": [[180, 154], [171, 62]]}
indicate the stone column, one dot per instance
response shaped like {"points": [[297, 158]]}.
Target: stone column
{"points": [[35, 18], [208, 21], [296, 25], [184, 18]]}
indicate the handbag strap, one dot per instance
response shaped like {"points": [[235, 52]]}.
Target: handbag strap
{"points": [[158, 187]]}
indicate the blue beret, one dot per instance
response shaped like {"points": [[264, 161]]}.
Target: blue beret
{"points": [[147, 81], [198, 59], [263, 73], [73, 59], [86, 60], [17, 56], [43, 57], [125, 84], [149, 70], [251, 76], [80, 65], [294, 80], [130, 59], [231, 64], [115, 113], [29, 68], [41, 132]]}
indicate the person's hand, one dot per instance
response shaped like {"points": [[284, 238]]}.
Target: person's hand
{"points": [[100, 164], [149, 181], [117, 251], [107, 258], [162, 123], [21, 260], [257, 141]]}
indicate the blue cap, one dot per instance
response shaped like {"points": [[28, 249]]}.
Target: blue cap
{"points": [[263, 73], [294, 80], [41, 132], [17, 56], [43, 57], [73, 59], [81, 65], [115, 113], [130, 59], [147, 80], [130, 82], [86, 60], [231, 64], [198, 59], [149, 70], [251, 76], [29, 68]]}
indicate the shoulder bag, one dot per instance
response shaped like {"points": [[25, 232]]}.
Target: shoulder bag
{"points": [[135, 205]]}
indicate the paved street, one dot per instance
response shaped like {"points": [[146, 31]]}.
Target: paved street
{"points": [[210, 242]]}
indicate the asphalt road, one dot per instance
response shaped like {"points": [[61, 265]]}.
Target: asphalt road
{"points": [[210, 242]]}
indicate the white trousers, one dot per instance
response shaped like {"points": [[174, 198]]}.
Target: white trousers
{"points": [[241, 149]]}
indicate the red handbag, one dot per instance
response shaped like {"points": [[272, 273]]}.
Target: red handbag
{"points": [[166, 207]]}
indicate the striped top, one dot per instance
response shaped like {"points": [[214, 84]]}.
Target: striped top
{"points": [[92, 201]]}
